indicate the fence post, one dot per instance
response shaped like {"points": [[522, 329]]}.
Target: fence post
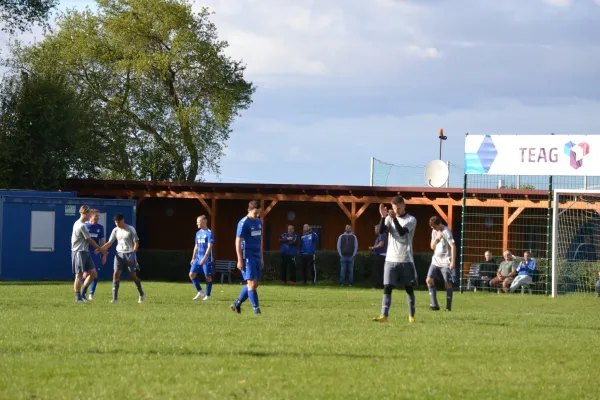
{"points": [[372, 171], [462, 232], [549, 233]]}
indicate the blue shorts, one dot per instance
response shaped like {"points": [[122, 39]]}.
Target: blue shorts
{"points": [[208, 268], [252, 269], [97, 259]]}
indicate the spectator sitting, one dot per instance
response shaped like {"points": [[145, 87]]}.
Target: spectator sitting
{"points": [[506, 273], [525, 272], [487, 270]]}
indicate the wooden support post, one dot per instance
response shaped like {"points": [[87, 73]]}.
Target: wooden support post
{"points": [[353, 217], [450, 217], [440, 212], [515, 215], [213, 223], [269, 208], [344, 209], [505, 230], [205, 205], [362, 210]]}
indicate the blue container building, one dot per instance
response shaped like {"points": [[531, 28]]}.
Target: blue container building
{"points": [[35, 233]]}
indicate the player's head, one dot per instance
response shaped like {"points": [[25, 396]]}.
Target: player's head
{"points": [[254, 209], [95, 216], [306, 228], [488, 256], [290, 229], [85, 212], [348, 228], [398, 205], [507, 255], [202, 222], [435, 223], [527, 255], [119, 220]]}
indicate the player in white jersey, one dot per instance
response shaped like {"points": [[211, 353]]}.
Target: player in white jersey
{"points": [[442, 262], [125, 259], [399, 269]]}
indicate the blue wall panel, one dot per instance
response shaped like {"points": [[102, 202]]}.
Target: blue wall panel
{"points": [[33, 193], [18, 262]]}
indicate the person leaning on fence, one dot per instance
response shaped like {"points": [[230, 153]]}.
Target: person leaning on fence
{"points": [[506, 273], [379, 251], [525, 271]]}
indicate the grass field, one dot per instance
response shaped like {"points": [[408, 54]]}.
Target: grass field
{"points": [[309, 343]]}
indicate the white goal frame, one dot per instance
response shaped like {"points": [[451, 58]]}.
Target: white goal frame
{"points": [[555, 211]]}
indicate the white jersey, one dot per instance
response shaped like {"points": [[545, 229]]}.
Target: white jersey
{"points": [[79, 236], [399, 248], [126, 238], [442, 253]]}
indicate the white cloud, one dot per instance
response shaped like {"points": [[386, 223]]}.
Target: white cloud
{"points": [[559, 3]]}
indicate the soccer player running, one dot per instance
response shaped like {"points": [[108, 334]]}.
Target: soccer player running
{"points": [[81, 260], [399, 268], [442, 262], [96, 231], [125, 259], [249, 259], [202, 258]]}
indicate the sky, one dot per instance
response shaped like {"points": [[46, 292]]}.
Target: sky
{"points": [[341, 81]]}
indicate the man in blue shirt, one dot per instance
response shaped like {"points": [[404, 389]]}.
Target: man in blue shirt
{"points": [[202, 259], [288, 242], [308, 246], [379, 251], [525, 271], [249, 259], [96, 231]]}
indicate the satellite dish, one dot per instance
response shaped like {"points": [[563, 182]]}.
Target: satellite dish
{"points": [[436, 173]]}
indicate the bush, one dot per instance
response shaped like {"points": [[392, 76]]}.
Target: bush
{"points": [[174, 265]]}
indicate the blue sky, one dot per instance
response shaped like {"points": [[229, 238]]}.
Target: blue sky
{"points": [[340, 81]]}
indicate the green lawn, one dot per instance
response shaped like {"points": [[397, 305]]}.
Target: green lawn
{"points": [[309, 343]]}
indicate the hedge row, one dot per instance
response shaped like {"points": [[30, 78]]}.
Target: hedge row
{"points": [[174, 265]]}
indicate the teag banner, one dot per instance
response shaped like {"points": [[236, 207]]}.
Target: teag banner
{"points": [[574, 155]]}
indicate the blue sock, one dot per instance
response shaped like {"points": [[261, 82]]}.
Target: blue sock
{"points": [[208, 288], [253, 295], [196, 284], [93, 286], [116, 289], [243, 295]]}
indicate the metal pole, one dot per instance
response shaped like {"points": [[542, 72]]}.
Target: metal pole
{"points": [[518, 182], [585, 183], [462, 231], [554, 246], [372, 171], [448, 180], [549, 253]]}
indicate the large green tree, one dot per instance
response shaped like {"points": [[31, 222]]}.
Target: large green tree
{"points": [[159, 72], [47, 133], [19, 15]]}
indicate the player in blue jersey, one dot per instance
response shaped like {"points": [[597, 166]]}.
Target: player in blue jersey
{"points": [[202, 258], [96, 231], [249, 259]]}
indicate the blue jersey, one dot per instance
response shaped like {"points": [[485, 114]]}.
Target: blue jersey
{"points": [[96, 233], [250, 231], [526, 268], [308, 243], [203, 239], [381, 251], [288, 247]]}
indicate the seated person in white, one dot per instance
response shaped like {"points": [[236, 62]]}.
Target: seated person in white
{"points": [[525, 271]]}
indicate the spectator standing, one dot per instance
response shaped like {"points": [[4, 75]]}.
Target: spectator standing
{"points": [[379, 251], [308, 246], [288, 242], [347, 246]]}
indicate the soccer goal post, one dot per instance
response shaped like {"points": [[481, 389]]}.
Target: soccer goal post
{"points": [[575, 241]]}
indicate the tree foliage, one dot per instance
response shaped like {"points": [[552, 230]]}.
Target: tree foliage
{"points": [[47, 133], [159, 73], [19, 15]]}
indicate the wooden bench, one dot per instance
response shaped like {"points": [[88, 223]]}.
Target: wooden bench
{"points": [[225, 267]]}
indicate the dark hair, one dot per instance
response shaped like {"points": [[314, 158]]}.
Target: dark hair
{"points": [[435, 220], [119, 217], [397, 200], [254, 205]]}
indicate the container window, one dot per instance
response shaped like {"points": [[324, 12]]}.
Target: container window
{"points": [[42, 231]]}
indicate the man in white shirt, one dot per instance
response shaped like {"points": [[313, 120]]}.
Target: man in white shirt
{"points": [[442, 262], [399, 269]]}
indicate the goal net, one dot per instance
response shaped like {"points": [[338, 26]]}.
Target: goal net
{"points": [[575, 242]]}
